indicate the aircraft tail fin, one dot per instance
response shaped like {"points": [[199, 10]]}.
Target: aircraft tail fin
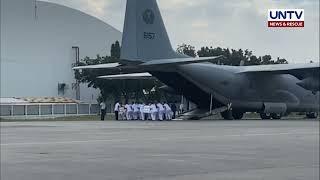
{"points": [[144, 35]]}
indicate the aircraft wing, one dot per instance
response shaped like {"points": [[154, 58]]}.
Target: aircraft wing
{"points": [[181, 61], [133, 76], [300, 71], [143, 67], [99, 66]]}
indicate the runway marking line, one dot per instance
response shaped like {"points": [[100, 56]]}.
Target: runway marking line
{"points": [[153, 139]]}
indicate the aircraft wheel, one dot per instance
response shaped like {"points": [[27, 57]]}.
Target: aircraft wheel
{"points": [[312, 115], [265, 116], [227, 115], [237, 115], [276, 116]]}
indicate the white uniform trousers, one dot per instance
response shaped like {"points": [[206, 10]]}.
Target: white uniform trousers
{"points": [[129, 115], [154, 115], [161, 113], [169, 115]]}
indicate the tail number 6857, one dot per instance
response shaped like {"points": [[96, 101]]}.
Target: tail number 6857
{"points": [[149, 35]]}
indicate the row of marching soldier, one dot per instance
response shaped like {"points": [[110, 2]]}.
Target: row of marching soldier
{"points": [[141, 111]]}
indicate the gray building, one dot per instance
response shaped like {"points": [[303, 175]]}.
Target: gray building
{"points": [[39, 43]]}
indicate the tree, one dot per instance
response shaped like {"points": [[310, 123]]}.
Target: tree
{"points": [[238, 57], [267, 59], [187, 50], [208, 52], [231, 57], [281, 61], [115, 50], [254, 60]]}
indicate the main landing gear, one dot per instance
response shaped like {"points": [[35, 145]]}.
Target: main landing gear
{"points": [[232, 114], [269, 116], [312, 115]]}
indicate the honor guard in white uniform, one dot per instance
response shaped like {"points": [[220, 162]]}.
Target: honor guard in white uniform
{"points": [[147, 111], [122, 113], [161, 111], [136, 111], [116, 110], [154, 112], [142, 116], [129, 111], [103, 108], [181, 109], [169, 112]]}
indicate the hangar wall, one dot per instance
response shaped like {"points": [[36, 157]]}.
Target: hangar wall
{"points": [[36, 47]]}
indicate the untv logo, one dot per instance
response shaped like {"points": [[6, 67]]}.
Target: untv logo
{"points": [[286, 18]]}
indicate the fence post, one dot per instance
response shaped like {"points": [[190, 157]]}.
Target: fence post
{"points": [[11, 109], [65, 109], [211, 103], [40, 109], [77, 109], [52, 109], [89, 109], [26, 110]]}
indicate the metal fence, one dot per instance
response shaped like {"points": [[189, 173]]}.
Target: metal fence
{"points": [[11, 110]]}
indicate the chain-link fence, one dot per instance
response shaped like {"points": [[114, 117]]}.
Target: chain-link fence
{"points": [[12, 110]]}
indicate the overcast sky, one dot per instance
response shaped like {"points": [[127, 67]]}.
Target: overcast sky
{"points": [[225, 23]]}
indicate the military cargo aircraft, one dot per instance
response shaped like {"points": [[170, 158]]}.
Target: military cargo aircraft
{"points": [[271, 90]]}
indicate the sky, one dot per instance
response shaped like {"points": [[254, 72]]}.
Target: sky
{"points": [[225, 23]]}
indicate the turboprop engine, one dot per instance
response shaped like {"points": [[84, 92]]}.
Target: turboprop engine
{"points": [[311, 84], [278, 108]]}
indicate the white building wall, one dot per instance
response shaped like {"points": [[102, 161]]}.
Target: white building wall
{"points": [[36, 47]]}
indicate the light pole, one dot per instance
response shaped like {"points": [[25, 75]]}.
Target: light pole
{"points": [[77, 87]]}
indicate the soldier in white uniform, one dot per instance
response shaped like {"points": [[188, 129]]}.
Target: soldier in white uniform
{"points": [[181, 109], [122, 113], [154, 112], [147, 111], [103, 108], [116, 110], [129, 111], [169, 112], [136, 111], [161, 111], [141, 107]]}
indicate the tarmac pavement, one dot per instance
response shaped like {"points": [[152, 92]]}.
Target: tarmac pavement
{"points": [[178, 150]]}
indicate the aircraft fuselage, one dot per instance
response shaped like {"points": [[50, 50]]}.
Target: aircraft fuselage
{"points": [[244, 91]]}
